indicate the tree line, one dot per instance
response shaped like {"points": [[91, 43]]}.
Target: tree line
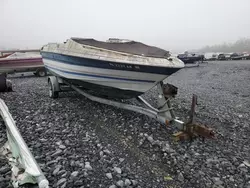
{"points": [[241, 45]]}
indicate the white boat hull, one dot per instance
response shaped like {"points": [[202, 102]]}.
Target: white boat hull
{"points": [[111, 72], [124, 80]]}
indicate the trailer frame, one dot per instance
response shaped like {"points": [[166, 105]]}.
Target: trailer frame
{"points": [[164, 113]]}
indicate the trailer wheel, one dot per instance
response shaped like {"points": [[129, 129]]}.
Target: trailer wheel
{"points": [[3, 85], [52, 93], [41, 72]]}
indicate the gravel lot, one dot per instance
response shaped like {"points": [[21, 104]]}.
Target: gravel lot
{"points": [[80, 143]]}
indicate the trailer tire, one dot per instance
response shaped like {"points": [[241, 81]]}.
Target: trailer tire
{"points": [[3, 85], [41, 72], [52, 93]]}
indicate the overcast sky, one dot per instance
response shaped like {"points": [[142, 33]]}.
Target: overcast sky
{"points": [[173, 25]]}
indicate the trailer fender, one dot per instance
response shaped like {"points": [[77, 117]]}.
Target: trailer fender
{"points": [[53, 80]]}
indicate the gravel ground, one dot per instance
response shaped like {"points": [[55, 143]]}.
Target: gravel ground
{"points": [[80, 143]]}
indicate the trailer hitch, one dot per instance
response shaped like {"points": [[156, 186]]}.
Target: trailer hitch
{"points": [[191, 129]]}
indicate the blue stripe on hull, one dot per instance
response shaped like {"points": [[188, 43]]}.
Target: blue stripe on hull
{"points": [[81, 61], [104, 91], [97, 76]]}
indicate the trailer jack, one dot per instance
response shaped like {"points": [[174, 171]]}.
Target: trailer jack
{"points": [[192, 129]]}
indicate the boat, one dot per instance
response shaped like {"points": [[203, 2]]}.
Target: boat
{"points": [[242, 56], [228, 56], [210, 56], [222, 57], [234, 56], [22, 62], [119, 69], [190, 58], [114, 68]]}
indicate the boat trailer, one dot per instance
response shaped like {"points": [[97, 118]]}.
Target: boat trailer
{"points": [[164, 113]]}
